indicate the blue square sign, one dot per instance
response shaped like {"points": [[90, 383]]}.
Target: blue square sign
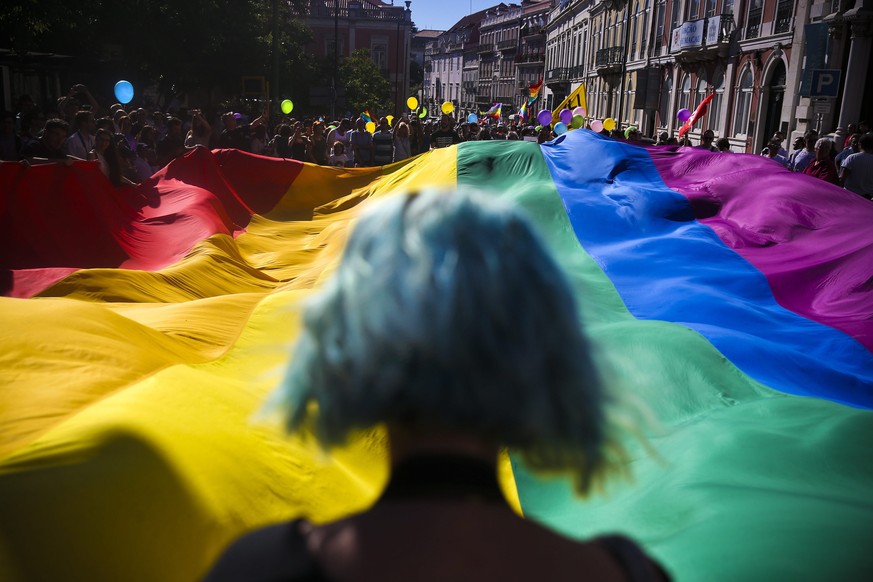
{"points": [[825, 83]]}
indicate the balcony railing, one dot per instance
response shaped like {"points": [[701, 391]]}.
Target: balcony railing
{"points": [[577, 72], [556, 75], [753, 26], [702, 39], [486, 48], [609, 57], [344, 11], [784, 14], [455, 46], [530, 58], [504, 45]]}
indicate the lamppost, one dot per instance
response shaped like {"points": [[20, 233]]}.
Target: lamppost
{"points": [[333, 81], [274, 93]]}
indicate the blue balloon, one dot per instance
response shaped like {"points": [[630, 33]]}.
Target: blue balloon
{"points": [[472, 118], [123, 91], [560, 128]]}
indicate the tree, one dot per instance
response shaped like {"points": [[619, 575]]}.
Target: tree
{"points": [[364, 84], [193, 46]]}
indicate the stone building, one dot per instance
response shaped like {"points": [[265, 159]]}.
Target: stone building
{"points": [[383, 29], [451, 66], [644, 60]]}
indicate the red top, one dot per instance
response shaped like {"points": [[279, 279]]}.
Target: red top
{"points": [[825, 170]]}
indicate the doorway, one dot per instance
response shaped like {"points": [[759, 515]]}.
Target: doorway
{"points": [[773, 107]]}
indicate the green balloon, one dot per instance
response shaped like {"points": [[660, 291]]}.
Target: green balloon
{"points": [[577, 122], [423, 113]]}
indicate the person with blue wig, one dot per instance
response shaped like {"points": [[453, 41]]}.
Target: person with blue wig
{"points": [[449, 322]]}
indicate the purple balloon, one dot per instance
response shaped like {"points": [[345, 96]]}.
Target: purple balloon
{"points": [[683, 115], [566, 116], [545, 117]]}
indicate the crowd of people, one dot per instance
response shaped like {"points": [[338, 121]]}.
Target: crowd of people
{"points": [[850, 166], [132, 143]]}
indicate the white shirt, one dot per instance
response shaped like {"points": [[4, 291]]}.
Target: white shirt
{"points": [[79, 145], [860, 177]]}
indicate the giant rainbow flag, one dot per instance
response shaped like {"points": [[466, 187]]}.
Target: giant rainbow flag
{"points": [[142, 329]]}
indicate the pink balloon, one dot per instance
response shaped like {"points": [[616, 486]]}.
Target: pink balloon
{"points": [[566, 116], [579, 111], [597, 125]]}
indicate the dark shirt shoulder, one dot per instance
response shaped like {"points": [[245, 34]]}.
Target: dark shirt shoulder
{"points": [[38, 149], [269, 554], [633, 561]]}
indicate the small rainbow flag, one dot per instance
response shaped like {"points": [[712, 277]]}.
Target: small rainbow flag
{"points": [[495, 111], [534, 89]]}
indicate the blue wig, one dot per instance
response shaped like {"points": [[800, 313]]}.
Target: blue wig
{"points": [[447, 311]]}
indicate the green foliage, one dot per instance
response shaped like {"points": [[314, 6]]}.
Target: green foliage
{"points": [[364, 84], [195, 45]]}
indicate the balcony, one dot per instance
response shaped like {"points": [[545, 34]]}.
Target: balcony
{"points": [[559, 75], [327, 10], [454, 46], [505, 45], [577, 72], [702, 40], [530, 58], [609, 60], [486, 48]]}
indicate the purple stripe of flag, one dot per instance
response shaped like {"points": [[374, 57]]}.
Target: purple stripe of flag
{"points": [[786, 226]]}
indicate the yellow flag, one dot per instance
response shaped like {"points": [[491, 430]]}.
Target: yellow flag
{"points": [[573, 100]]}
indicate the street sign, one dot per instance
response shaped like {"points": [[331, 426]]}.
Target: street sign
{"points": [[821, 107], [825, 83]]}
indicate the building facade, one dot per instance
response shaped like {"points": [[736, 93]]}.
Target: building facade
{"points": [[452, 66], [770, 65], [644, 60], [383, 29]]}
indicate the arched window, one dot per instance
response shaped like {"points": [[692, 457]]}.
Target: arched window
{"points": [[666, 99], [685, 94], [715, 104], [701, 95], [743, 103]]}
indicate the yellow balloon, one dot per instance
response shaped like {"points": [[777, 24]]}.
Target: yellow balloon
{"points": [[412, 103], [609, 124], [371, 127], [448, 107], [390, 119]]}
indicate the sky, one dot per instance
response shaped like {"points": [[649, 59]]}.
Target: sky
{"points": [[442, 14]]}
